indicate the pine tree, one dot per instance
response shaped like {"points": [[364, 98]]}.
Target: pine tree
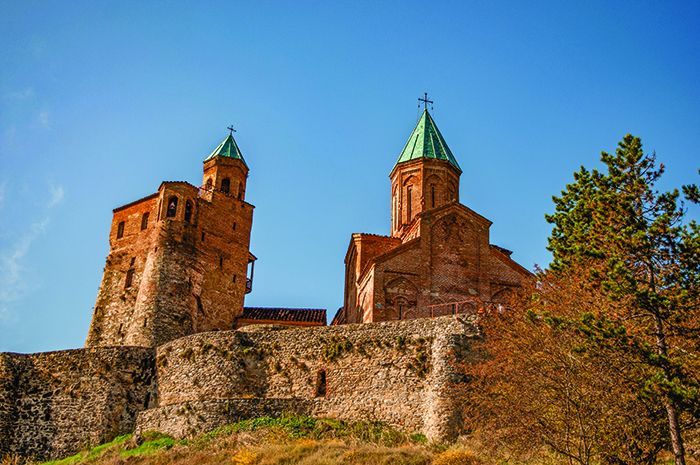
{"points": [[641, 251]]}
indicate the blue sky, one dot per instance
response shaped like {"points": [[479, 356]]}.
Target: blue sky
{"points": [[100, 102]]}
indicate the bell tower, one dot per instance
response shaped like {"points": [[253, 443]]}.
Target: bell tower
{"points": [[225, 170], [425, 176]]}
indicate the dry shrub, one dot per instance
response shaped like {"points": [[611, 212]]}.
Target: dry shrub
{"points": [[458, 456], [245, 457], [11, 460]]}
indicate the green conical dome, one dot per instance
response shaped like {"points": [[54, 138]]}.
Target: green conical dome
{"points": [[227, 148], [427, 142]]}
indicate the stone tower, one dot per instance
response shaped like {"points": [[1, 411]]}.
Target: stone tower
{"points": [[179, 258]]}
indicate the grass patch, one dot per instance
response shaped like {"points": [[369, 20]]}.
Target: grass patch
{"points": [[269, 441], [153, 442], [92, 454]]}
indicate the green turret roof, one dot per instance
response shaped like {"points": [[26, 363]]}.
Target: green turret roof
{"points": [[427, 142], [227, 148]]}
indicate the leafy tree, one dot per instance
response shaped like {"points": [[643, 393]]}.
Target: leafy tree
{"points": [[543, 385], [640, 252]]}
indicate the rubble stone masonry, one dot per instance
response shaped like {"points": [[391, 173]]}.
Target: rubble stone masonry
{"points": [[55, 403], [401, 373]]}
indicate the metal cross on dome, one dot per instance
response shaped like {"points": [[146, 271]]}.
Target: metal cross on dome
{"points": [[426, 101], [232, 129]]}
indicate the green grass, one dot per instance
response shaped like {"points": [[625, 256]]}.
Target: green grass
{"points": [[297, 427], [292, 434], [91, 454]]}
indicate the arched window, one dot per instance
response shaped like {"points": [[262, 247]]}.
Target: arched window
{"points": [[120, 230], [172, 207], [144, 221], [409, 206], [226, 185], [432, 196], [320, 383], [188, 211], [208, 184], [129, 278]]}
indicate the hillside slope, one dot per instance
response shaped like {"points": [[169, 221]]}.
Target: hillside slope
{"points": [[268, 441]]}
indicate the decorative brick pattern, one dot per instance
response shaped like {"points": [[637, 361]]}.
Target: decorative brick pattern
{"points": [[439, 253]]}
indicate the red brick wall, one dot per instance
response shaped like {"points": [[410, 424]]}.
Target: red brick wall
{"points": [[432, 183], [188, 274], [443, 256]]}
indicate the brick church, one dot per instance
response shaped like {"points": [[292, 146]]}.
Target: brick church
{"points": [[438, 259]]}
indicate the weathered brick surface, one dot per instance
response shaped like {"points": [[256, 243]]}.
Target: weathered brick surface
{"points": [[55, 403], [187, 272], [439, 254]]}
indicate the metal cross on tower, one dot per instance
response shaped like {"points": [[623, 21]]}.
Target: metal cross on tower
{"points": [[425, 101], [231, 128]]}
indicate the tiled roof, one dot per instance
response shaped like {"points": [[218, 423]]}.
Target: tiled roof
{"points": [[339, 317], [302, 315], [427, 142], [502, 249], [383, 236], [227, 148]]}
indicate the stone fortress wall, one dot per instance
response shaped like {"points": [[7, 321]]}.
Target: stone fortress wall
{"points": [[53, 404], [401, 373]]}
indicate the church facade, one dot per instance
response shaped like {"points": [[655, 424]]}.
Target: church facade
{"points": [[438, 259]]}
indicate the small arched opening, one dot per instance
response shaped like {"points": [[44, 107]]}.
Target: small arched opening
{"points": [[320, 390], [189, 207], [172, 207], [144, 221], [226, 185]]}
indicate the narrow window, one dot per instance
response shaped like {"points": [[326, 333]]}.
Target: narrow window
{"points": [[208, 185], [233, 279], [133, 260], [409, 207], [226, 185], [145, 322], [240, 192], [120, 230], [144, 221], [234, 225], [432, 196], [129, 278], [172, 207], [221, 262], [200, 307], [121, 327], [188, 211], [202, 236], [321, 383]]}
